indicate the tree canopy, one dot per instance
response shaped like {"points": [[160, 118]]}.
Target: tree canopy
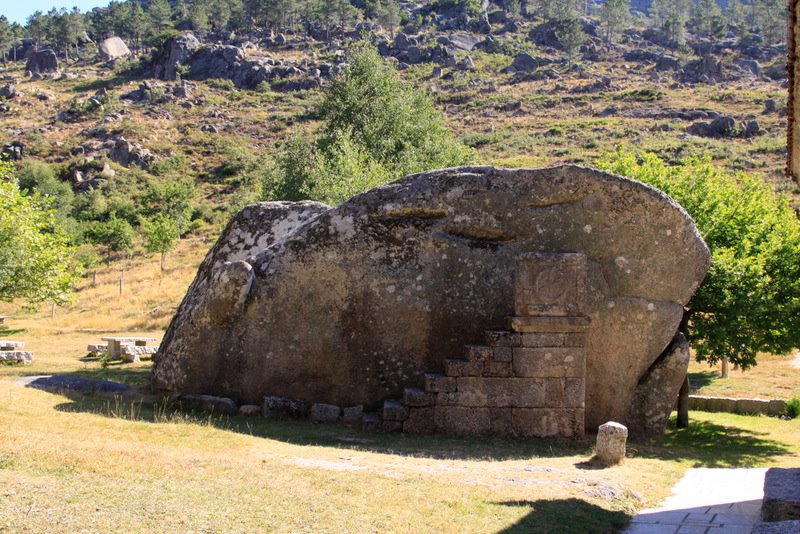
{"points": [[36, 261], [376, 128], [750, 300]]}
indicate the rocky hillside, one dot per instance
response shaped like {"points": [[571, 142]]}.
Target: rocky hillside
{"points": [[208, 111]]}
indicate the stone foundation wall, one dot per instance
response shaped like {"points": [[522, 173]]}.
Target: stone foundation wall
{"points": [[527, 385]]}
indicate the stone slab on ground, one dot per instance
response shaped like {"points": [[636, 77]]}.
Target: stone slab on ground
{"points": [[781, 495], [711, 501]]}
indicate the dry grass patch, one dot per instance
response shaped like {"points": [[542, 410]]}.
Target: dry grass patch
{"points": [[775, 377]]}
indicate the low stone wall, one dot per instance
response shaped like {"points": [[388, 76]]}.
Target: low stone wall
{"points": [[739, 406]]}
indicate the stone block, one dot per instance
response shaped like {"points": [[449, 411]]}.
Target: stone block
{"points": [[781, 495], [720, 404], [392, 426], [776, 408], [698, 402], [370, 422], [550, 362], [207, 403], [454, 367], [500, 392], [575, 339], [502, 354], [554, 393], [611, 441], [549, 324], [543, 339], [284, 408], [249, 410], [780, 527], [394, 410], [547, 423], [752, 406], [352, 414], [415, 397], [550, 284], [477, 353], [502, 338], [500, 421], [325, 413], [16, 356], [465, 421], [438, 383], [497, 369], [574, 393], [420, 421]]}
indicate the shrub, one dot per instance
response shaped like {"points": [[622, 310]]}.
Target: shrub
{"points": [[793, 407]]}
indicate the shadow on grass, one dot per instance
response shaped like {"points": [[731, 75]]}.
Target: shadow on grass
{"points": [[701, 379], [710, 445], [107, 83], [326, 435], [6, 331], [565, 515]]}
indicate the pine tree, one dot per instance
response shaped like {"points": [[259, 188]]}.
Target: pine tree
{"points": [[160, 14], [615, 14], [707, 18], [571, 36]]}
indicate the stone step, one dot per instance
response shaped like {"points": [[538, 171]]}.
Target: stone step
{"points": [[502, 338], [455, 367], [418, 398], [781, 495], [439, 383], [394, 410]]}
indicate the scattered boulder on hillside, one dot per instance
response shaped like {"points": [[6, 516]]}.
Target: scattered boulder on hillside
{"points": [[749, 65], [358, 302], [176, 53], [126, 154], [524, 62], [228, 62], [726, 126], [9, 91], [13, 151], [603, 84], [88, 174], [42, 62], [462, 41], [704, 70], [113, 48], [23, 50]]}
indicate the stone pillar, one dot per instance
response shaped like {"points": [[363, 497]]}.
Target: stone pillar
{"points": [[550, 308], [611, 439]]}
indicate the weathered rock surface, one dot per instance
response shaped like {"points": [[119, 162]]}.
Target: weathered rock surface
{"points": [[42, 61], [611, 443], [206, 403], [654, 397], [781, 495], [352, 305], [113, 48]]}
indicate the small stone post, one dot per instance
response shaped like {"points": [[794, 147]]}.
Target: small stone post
{"points": [[611, 438]]}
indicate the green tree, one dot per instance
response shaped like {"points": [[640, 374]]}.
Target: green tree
{"points": [[6, 37], [375, 128], [750, 300], [571, 36], [198, 18], [614, 15], [388, 14], [36, 261], [160, 14], [116, 235], [671, 16], [161, 235], [707, 19]]}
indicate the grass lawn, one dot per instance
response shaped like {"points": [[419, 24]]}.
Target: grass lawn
{"points": [[72, 464], [775, 377]]}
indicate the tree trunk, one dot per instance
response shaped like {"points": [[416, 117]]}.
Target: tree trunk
{"points": [[94, 278], [163, 257], [53, 311], [724, 373], [683, 404]]}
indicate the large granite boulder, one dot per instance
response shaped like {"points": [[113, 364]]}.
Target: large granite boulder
{"points": [[352, 304], [42, 61], [113, 48], [176, 52]]}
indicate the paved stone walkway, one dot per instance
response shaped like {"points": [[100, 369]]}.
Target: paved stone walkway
{"points": [[707, 501]]}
